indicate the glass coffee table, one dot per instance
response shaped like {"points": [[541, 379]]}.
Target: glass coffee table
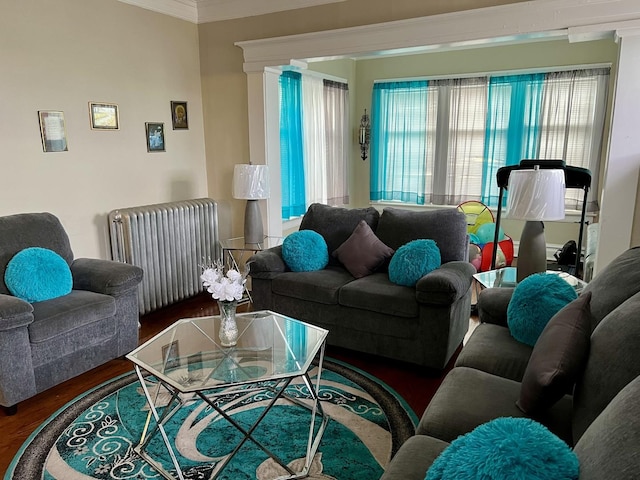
{"points": [[185, 363]]}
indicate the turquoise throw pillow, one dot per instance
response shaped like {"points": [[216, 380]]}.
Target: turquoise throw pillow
{"points": [[305, 251], [36, 274], [506, 448], [535, 300], [413, 261]]}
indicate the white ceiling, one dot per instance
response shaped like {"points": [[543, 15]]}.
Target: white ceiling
{"points": [[203, 11]]}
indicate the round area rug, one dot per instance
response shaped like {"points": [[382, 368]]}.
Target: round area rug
{"points": [[93, 437]]}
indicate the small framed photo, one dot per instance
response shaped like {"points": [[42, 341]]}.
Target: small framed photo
{"points": [[104, 116], [155, 136], [171, 355], [179, 117], [53, 131]]}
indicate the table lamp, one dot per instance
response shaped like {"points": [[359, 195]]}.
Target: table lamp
{"points": [[535, 195], [251, 183]]}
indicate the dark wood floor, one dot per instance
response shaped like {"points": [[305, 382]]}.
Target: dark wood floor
{"points": [[416, 386]]}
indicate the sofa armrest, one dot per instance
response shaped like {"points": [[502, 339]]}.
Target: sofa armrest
{"points": [[104, 276], [267, 263], [14, 312], [492, 305], [445, 285]]}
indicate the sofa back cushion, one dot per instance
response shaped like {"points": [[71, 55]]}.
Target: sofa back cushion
{"points": [[24, 230], [447, 227], [609, 447], [614, 360], [616, 282], [336, 224]]}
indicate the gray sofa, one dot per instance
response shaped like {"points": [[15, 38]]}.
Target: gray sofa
{"points": [[598, 417], [423, 325], [47, 342]]}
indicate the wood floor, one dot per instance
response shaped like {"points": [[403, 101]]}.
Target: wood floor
{"points": [[416, 386]]}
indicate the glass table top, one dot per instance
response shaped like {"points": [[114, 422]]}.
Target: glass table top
{"points": [[506, 277], [238, 243], [188, 354]]}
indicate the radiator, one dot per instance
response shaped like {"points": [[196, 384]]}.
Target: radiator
{"points": [[170, 242]]}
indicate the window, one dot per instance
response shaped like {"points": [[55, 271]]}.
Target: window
{"points": [[314, 142], [442, 141]]}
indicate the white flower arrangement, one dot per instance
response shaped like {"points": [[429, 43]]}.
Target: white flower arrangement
{"points": [[223, 287]]}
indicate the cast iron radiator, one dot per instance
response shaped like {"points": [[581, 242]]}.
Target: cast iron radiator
{"points": [[170, 242]]}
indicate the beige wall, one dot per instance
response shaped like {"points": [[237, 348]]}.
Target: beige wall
{"points": [[60, 56], [224, 83]]}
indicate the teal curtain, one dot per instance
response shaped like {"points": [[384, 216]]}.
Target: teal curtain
{"points": [[513, 126], [398, 141], [291, 148]]}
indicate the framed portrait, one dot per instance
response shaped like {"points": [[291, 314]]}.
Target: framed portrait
{"points": [[179, 117], [171, 355], [155, 136], [53, 131], [104, 116]]}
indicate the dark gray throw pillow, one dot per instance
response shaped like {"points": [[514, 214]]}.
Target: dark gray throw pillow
{"points": [[362, 253], [558, 357]]}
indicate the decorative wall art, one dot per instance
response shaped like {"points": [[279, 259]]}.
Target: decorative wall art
{"points": [[179, 115], [53, 131], [155, 136], [104, 116]]}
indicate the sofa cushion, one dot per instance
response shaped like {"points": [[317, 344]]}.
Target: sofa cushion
{"points": [[558, 357], [535, 300], [36, 274], [305, 251], [412, 261], [321, 286], [506, 448], [377, 294], [61, 315], [447, 227], [336, 224], [414, 458], [492, 349], [362, 253]]}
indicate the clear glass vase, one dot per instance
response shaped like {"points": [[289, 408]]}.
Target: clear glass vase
{"points": [[228, 327]]}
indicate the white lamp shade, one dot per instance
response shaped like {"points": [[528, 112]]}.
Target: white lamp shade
{"points": [[536, 194], [251, 182]]}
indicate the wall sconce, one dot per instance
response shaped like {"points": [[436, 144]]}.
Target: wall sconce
{"points": [[364, 135]]}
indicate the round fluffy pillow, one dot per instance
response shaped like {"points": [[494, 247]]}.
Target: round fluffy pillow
{"points": [[305, 251], [506, 448], [414, 260], [36, 274], [535, 300], [487, 231]]}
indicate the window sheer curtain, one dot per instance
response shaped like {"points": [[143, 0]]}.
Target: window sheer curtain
{"points": [[337, 121], [291, 147], [572, 123], [314, 142], [398, 141], [443, 141]]}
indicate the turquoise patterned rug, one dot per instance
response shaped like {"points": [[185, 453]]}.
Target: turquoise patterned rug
{"points": [[93, 437]]}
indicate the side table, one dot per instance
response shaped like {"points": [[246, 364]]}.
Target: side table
{"points": [[235, 252]]}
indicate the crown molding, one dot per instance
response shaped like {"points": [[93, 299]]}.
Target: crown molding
{"points": [[204, 11], [531, 21]]}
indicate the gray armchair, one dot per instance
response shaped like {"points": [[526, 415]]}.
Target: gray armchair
{"points": [[45, 343]]}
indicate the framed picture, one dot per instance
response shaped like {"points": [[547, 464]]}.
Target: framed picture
{"points": [[53, 131], [171, 355], [104, 116], [155, 136], [179, 115]]}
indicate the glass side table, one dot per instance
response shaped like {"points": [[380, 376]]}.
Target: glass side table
{"points": [[235, 253], [506, 277]]}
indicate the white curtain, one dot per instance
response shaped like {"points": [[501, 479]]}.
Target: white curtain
{"points": [[314, 140], [336, 113]]}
